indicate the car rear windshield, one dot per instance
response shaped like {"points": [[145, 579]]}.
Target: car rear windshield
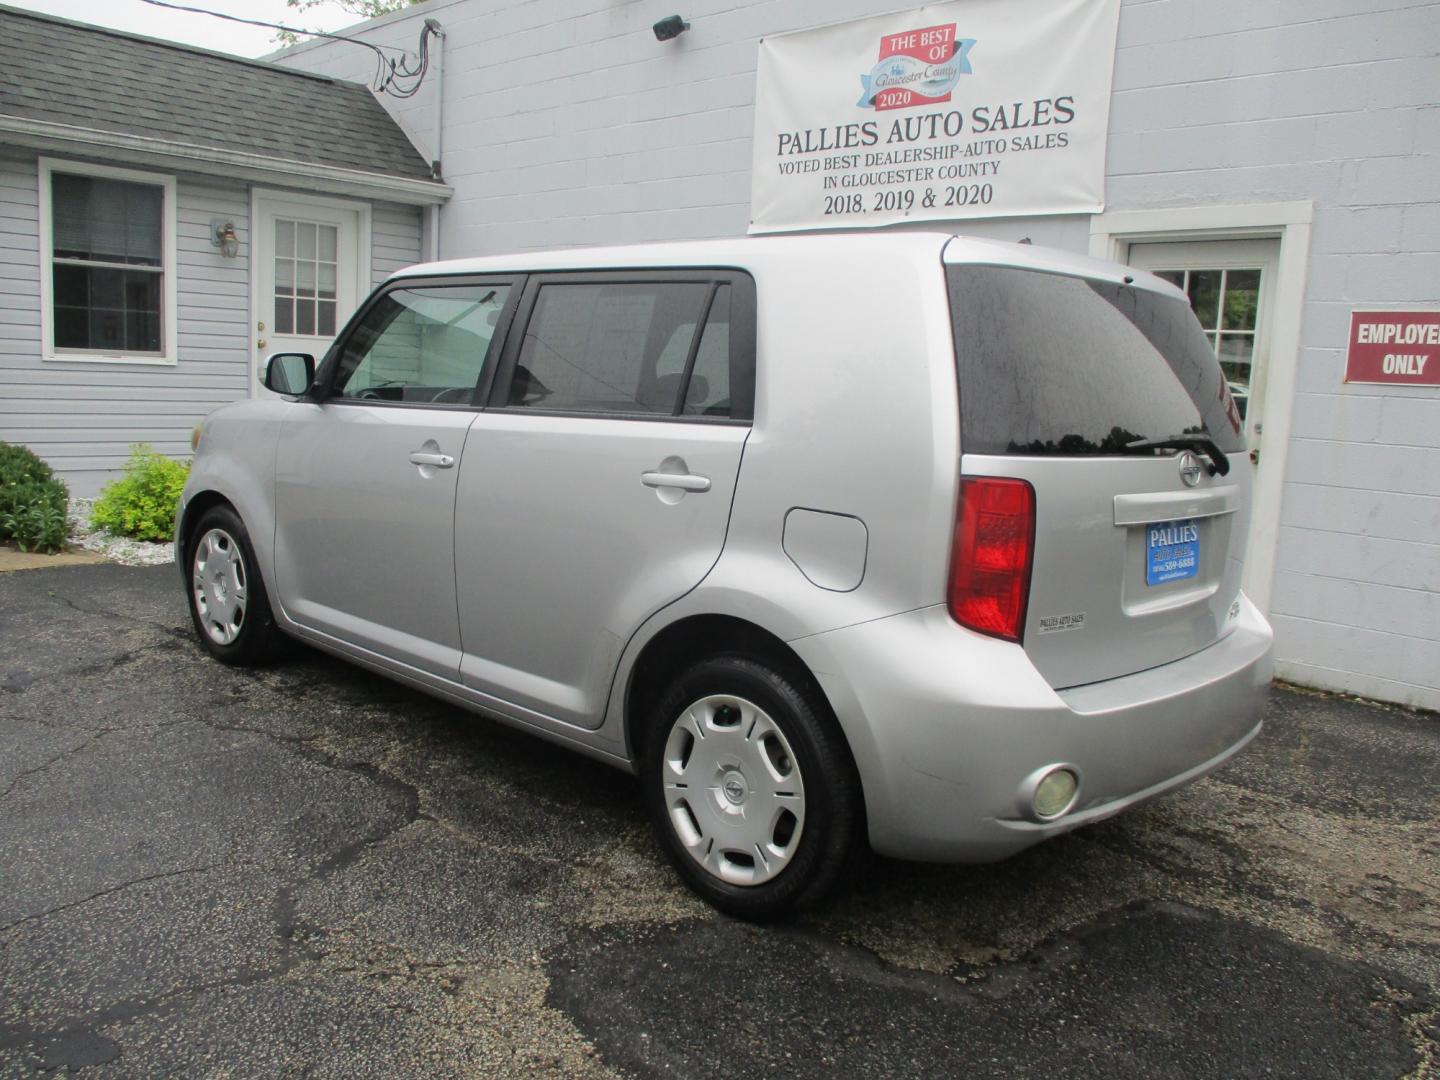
{"points": [[1053, 364]]}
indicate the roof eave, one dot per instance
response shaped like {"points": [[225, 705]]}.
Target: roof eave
{"points": [[144, 149]]}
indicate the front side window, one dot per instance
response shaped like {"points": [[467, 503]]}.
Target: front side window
{"points": [[421, 345], [107, 272]]}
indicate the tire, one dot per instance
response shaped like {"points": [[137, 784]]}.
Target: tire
{"points": [[227, 598], [763, 814]]}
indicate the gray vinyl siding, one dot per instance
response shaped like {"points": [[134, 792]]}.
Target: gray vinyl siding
{"points": [[395, 239], [19, 262], [83, 417]]}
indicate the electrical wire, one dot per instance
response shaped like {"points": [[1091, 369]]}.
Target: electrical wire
{"points": [[395, 77]]}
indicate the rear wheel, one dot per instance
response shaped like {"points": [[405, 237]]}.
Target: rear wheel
{"points": [[228, 602], [750, 788]]}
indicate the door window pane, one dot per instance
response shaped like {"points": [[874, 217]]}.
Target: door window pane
{"points": [[284, 238], [1242, 299], [1204, 291], [422, 345], [306, 268], [1227, 303], [305, 240], [596, 348]]}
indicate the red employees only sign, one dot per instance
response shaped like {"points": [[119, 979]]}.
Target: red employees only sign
{"points": [[1394, 347]]}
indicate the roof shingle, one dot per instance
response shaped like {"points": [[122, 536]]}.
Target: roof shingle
{"points": [[91, 77]]}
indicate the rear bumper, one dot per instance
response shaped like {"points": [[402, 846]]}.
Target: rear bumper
{"points": [[946, 726]]}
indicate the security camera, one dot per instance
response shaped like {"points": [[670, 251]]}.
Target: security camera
{"points": [[672, 26]]}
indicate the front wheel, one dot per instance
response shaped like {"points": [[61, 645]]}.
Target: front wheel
{"points": [[228, 603], [751, 788]]}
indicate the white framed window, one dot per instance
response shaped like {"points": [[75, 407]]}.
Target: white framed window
{"points": [[107, 264]]}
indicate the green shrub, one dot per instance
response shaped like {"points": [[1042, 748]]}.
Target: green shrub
{"points": [[44, 524], [20, 468], [33, 504], [142, 503]]}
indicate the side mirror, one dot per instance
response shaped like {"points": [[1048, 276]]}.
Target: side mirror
{"points": [[290, 373]]}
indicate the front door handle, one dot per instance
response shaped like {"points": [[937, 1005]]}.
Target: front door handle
{"points": [[425, 457], [683, 481]]}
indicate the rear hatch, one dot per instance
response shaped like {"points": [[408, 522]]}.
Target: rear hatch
{"points": [[1137, 550]]}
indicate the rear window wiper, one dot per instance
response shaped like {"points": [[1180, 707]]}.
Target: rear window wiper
{"points": [[1203, 444]]}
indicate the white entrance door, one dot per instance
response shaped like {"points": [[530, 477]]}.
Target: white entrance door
{"points": [[1231, 286], [312, 268]]}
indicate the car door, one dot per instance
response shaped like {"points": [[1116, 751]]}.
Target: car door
{"points": [[365, 475], [597, 486]]}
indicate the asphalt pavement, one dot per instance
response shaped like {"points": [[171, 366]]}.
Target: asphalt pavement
{"points": [[308, 871]]}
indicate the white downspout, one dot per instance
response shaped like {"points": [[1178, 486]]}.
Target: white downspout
{"points": [[437, 137]]}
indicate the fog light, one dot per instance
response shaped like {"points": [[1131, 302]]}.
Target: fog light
{"points": [[1054, 794]]}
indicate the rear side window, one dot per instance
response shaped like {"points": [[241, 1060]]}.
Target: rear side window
{"points": [[1051, 364], [598, 348], [607, 344], [708, 391]]}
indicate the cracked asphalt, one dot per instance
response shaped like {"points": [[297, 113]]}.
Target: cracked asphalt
{"points": [[307, 871]]}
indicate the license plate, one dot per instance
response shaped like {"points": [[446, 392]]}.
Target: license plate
{"points": [[1172, 551]]}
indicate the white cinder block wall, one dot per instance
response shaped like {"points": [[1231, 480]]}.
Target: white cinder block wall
{"points": [[567, 123]]}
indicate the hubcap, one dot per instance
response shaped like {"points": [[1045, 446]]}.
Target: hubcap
{"points": [[733, 789], [218, 586]]}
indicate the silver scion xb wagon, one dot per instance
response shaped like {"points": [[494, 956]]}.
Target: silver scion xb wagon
{"points": [[915, 539]]}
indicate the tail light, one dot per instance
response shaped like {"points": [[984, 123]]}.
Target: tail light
{"points": [[991, 554]]}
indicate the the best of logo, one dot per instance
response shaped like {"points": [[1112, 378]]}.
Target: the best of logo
{"points": [[916, 67]]}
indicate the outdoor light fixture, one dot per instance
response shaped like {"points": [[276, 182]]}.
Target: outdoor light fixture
{"points": [[672, 26], [222, 235]]}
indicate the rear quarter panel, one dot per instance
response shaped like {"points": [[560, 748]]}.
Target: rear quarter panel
{"points": [[856, 413]]}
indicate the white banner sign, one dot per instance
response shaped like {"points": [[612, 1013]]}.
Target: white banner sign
{"points": [[983, 108]]}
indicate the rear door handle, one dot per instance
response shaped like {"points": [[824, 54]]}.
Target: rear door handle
{"points": [[683, 481], [425, 457]]}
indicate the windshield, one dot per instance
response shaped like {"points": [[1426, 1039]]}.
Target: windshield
{"points": [[1052, 364]]}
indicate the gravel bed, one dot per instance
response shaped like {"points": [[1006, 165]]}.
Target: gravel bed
{"points": [[120, 549]]}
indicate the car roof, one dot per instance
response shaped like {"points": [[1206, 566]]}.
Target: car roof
{"points": [[741, 252], [758, 252]]}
